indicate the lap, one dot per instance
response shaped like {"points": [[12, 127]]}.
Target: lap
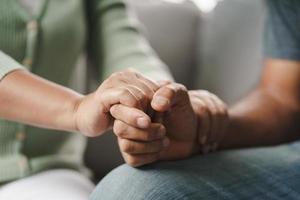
{"points": [[260, 173], [49, 185]]}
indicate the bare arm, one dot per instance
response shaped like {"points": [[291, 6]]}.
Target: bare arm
{"points": [[271, 114], [29, 99]]}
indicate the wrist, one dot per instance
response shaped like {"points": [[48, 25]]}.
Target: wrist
{"points": [[228, 139], [69, 120], [212, 139]]}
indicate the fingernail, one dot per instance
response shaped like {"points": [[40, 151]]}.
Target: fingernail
{"points": [[203, 139], [143, 122], [166, 142], [161, 101], [206, 149]]}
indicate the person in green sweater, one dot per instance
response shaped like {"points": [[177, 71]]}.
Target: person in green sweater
{"points": [[40, 42]]}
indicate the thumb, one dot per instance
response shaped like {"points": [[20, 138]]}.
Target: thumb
{"points": [[169, 95]]}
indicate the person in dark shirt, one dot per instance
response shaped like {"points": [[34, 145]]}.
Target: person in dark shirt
{"points": [[269, 116]]}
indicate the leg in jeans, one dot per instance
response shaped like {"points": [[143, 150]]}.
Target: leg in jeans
{"points": [[261, 173], [49, 185]]}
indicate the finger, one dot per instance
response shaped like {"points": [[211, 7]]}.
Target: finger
{"points": [[203, 117], [154, 86], [146, 85], [222, 119], [134, 147], [168, 96], [130, 77], [121, 95], [154, 132], [131, 116], [214, 125], [151, 84], [141, 97], [139, 160]]}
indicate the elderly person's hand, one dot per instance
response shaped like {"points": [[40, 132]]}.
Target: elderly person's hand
{"points": [[127, 88]]}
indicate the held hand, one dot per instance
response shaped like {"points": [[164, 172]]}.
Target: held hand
{"points": [[175, 119], [212, 117], [179, 119], [127, 88]]}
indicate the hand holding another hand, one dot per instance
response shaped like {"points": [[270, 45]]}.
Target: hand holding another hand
{"points": [[93, 113], [174, 120], [190, 122], [152, 121]]}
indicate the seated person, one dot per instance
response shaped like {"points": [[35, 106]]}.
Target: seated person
{"points": [[195, 121], [40, 42]]}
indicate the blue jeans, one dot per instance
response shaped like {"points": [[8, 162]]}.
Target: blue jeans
{"points": [[260, 173]]}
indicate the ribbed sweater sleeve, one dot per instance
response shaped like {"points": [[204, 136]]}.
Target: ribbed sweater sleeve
{"points": [[119, 44], [7, 65]]}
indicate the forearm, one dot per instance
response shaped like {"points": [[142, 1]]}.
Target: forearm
{"points": [[116, 33], [29, 99], [261, 119]]}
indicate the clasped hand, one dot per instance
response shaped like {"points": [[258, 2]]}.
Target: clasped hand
{"points": [[152, 121]]}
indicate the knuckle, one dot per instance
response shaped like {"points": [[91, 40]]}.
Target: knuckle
{"points": [[136, 74], [193, 92], [130, 72], [140, 97], [215, 97], [114, 76], [128, 99], [204, 92], [203, 110], [181, 87], [123, 92]]}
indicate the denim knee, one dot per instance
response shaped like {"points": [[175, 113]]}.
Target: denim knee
{"points": [[263, 173], [129, 183]]}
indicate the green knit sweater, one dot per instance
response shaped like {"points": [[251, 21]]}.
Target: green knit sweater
{"points": [[48, 45]]}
